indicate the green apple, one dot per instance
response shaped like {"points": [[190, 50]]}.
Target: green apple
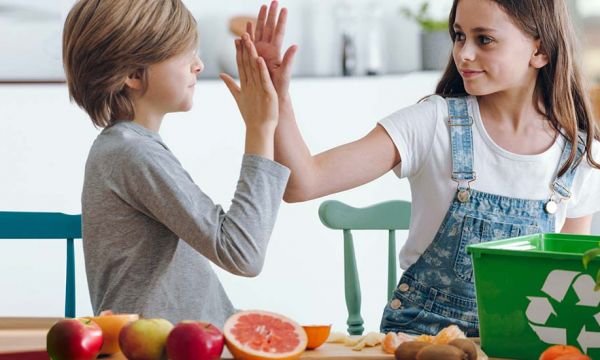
{"points": [[145, 339]]}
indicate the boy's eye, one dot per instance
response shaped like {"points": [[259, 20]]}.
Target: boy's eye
{"points": [[458, 36], [484, 40]]}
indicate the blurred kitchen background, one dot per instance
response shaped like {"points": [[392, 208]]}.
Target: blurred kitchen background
{"points": [[361, 36], [44, 140]]}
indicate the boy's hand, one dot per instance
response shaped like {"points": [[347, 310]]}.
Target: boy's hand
{"points": [[256, 98], [268, 38]]}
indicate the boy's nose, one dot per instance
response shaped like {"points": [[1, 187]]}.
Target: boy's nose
{"points": [[198, 66]]}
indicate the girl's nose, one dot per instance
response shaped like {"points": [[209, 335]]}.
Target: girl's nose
{"points": [[467, 52]]}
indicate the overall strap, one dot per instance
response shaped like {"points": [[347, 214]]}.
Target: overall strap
{"points": [[562, 185], [461, 143]]}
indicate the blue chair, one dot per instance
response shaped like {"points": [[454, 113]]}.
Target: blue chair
{"points": [[46, 226], [391, 216]]}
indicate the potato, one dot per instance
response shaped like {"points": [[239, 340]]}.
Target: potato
{"points": [[408, 350], [441, 352], [467, 346]]}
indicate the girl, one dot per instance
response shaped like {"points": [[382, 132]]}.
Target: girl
{"points": [[506, 146]]}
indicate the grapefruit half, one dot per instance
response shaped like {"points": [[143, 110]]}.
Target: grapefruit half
{"points": [[262, 335]]}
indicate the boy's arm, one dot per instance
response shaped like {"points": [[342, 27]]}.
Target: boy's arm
{"points": [[335, 170], [151, 180]]}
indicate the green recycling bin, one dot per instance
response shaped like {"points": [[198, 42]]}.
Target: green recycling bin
{"points": [[533, 292]]}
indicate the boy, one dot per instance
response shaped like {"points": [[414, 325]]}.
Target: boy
{"points": [[149, 232]]}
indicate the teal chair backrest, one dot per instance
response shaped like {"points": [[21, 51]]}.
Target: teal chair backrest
{"points": [[46, 226], [391, 216]]}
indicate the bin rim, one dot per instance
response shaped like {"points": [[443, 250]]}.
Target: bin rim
{"points": [[502, 247]]}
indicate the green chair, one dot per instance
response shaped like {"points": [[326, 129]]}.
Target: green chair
{"points": [[46, 226], [391, 215]]}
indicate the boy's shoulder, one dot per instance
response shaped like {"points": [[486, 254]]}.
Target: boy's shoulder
{"points": [[126, 141]]}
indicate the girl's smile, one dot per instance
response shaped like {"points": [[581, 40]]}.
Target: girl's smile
{"points": [[469, 74]]}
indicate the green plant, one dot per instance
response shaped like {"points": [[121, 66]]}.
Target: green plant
{"points": [[424, 19], [589, 256]]}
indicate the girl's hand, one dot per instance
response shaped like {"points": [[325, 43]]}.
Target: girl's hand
{"points": [[268, 39], [256, 96]]}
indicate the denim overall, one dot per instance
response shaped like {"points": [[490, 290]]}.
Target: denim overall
{"points": [[438, 289]]}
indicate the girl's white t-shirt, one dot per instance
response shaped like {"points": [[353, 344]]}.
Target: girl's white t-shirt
{"points": [[422, 137]]}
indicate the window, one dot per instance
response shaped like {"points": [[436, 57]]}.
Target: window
{"points": [[588, 22]]}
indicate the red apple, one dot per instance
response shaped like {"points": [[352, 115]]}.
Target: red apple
{"points": [[195, 340], [145, 339], [74, 339]]}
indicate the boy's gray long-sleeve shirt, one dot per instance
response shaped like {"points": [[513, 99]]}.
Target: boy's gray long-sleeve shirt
{"points": [[149, 231]]}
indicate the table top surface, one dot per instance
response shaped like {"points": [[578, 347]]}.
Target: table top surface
{"points": [[28, 335]]}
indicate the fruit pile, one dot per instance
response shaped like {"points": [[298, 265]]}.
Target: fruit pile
{"points": [[147, 339], [457, 349], [450, 343], [249, 335]]}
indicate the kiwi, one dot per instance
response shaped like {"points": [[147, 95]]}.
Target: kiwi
{"points": [[408, 350], [467, 346], [441, 352]]}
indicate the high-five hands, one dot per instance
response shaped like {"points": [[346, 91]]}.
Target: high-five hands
{"points": [[268, 38], [256, 96]]}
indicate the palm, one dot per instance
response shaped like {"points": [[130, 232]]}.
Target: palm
{"points": [[272, 56], [268, 38]]}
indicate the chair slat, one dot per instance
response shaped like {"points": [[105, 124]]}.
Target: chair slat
{"points": [[383, 216], [390, 215], [47, 226]]}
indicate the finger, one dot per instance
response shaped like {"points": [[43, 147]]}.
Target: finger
{"points": [[260, 22], [288, 60], [248, 61], [251, 55], [231, 85], [270, 25], [280, 28], [265, 78], [250, 30], [240, 60], [251, 48]]}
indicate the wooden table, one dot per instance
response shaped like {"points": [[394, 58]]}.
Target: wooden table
{"points": [[27, 338]]}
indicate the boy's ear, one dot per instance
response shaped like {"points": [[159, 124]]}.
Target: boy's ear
{"points": [[539, 59], [134, 80]]}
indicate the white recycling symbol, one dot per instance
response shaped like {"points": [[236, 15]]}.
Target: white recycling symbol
{"points": [[556, 286]]}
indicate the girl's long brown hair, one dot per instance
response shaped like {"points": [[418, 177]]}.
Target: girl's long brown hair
{"points": [[559, 86]]}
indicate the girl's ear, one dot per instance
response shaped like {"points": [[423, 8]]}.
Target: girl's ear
{"points": [[539, 59], [134, 80]]}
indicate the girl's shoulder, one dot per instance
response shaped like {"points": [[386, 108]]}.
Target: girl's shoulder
{"points": [[595, 150], [441, 103], [430, 114], [425, 111]]}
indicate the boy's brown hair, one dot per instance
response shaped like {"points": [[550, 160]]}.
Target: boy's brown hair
{"points": [[104, 41]]}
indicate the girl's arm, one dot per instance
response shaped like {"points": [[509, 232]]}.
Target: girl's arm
{"points": [[581, 225], [341, 168], [338, 169]]}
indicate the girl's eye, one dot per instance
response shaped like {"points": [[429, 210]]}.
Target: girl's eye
{"points": [[458, 36], [484, 40]]}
